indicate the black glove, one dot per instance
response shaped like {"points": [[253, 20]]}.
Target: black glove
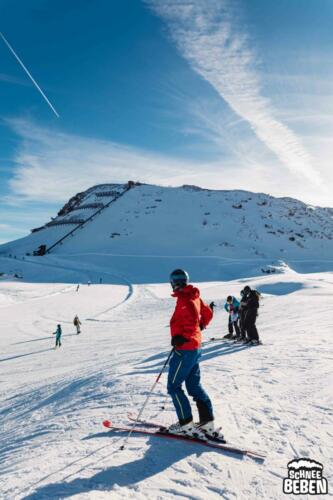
{"points": [[212, 305], [178, 340], [202, 326]]}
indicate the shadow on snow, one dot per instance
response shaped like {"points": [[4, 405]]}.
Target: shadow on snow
{"points": [[156, 459], [207, 353]]}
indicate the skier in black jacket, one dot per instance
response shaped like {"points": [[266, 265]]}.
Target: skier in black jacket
{"points": [[251, 306], [242, 314]]}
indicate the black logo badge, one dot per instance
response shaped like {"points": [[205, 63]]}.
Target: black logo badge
{"points": [[305, 477]]}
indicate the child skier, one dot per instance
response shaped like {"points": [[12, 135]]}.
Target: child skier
{"points": [[191, 315], [232, 307], [58, 333], [78, 324]]}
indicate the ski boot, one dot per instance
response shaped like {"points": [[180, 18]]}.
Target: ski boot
{"points": [[211, 431], [189, 430]]}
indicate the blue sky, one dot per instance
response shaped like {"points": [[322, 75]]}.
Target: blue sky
{"points": [[226, 94]]}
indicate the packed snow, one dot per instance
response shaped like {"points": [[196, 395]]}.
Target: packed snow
{"points": [[112, 271], [274, 398]]}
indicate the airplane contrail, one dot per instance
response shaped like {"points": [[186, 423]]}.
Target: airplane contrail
{"points": [[29, 74]]}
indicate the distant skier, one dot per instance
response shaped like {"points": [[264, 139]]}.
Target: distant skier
{"points": [[77, 324], [190, 317], [232, 307], [88, 282], [251, 306], [78, 286], [58, 334]]}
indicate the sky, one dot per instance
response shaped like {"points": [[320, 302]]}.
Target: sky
{"points": [[224, 94]]}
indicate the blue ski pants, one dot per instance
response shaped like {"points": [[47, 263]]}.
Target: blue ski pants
{"points": [[184, 367]]}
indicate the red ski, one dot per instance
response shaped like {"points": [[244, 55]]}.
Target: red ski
{"points": [[156, 425], [163, 434]]}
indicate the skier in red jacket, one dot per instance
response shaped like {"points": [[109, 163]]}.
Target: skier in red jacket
{"points": [[190, 317]]}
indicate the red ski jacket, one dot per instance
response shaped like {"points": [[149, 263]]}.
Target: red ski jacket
{"points": [[190, 313]]}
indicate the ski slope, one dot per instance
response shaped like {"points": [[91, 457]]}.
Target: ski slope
{"points": [[275, 398]]}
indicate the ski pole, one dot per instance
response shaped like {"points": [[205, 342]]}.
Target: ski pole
{"points": [[147, 398]]}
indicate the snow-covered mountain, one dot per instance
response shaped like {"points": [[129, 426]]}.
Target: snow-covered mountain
{"points": [[143, 221]]}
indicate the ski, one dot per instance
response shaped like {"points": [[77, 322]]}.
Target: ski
{"points": [[155, 425], [229, 342], [216, 339], [254, 345], [146, 423], [161, 433]]}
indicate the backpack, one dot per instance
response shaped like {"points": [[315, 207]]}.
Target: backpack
{"points": [[253, 299], [258, 296]]}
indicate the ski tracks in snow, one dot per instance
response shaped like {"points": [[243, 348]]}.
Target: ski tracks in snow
{"points": [[270, 397]]}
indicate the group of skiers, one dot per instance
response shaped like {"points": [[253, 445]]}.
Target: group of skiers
{"points": [[190, 317], [243, 315], [76, 322]]}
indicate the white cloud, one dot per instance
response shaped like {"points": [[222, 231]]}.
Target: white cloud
{"points": [[51, 166], [208, 35]]}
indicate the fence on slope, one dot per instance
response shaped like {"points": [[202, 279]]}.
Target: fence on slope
{"points": [[127, 187]]}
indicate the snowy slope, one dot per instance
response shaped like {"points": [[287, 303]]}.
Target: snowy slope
{"points": [[215, 227], [275, 397]]}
